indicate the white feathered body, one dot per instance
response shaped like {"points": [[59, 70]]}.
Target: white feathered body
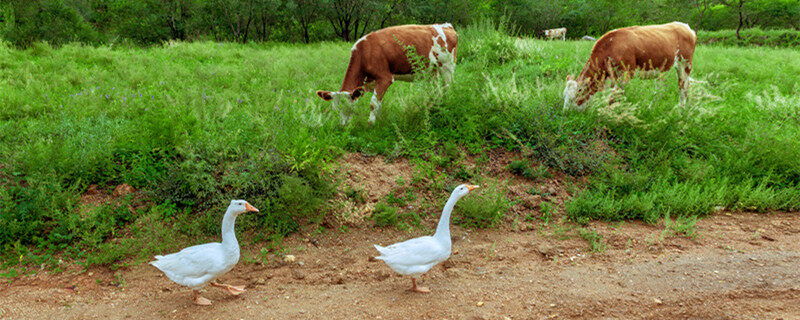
{"points": [[198, 265], [416, 256]]}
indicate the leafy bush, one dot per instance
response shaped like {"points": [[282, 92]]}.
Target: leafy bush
{"points": [[487, 43], [524, 169], [482, 210], [51, 21], [385, 215]]}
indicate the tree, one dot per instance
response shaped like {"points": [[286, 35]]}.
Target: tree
{"points": [[702, 7], [306, 12], [235, 16], [341, 14], [739, 4], [268, 16]]}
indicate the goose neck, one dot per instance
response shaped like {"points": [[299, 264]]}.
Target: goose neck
{"points": [[228, 233], [443, 229]]}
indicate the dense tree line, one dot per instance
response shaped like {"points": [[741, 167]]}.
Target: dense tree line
{"points": [[154, 21]]}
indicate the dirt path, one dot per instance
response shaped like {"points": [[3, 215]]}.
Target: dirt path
{"points": [[741, 266]]}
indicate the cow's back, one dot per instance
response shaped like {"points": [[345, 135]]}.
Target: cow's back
{"points": [[646, 47], [387, 48]]}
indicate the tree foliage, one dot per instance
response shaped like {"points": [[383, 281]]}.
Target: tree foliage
{"points": [[155, 21]]}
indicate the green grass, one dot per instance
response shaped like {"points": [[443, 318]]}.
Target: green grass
{"points": [[194, 125], [786, 38]]}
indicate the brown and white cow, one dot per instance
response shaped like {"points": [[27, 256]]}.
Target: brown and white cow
{"points": [[379, 58], [620, 53], [559, 33]]}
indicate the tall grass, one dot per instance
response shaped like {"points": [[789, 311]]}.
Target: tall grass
{"points": [[196, 124], [786, 38]]}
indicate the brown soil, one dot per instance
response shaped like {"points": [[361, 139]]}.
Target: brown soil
{"points": [[739, 266]]}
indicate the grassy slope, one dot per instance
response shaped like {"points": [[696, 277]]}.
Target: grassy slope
{"points": [[196, 124]]}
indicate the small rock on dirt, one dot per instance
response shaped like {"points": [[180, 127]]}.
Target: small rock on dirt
{"points": [[298, 275], [92, 189], [480, 303], [447, 264], [289, 258], [123, 189]]}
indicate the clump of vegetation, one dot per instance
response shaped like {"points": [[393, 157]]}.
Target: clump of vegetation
{"points": [[682, 226], [483, 209], [595, 240], [523, 168], [386, 215]]}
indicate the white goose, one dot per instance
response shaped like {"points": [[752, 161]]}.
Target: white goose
{"points": [[198, 265], [416, 256]]}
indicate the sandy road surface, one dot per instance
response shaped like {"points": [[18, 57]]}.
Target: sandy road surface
{"points": [[741, 266]]}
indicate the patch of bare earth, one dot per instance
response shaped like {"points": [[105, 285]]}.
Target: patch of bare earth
{"points": [[740, 266]]}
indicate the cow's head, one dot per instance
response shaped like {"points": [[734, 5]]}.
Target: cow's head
{"points": [[339, 97], [576, 93]]}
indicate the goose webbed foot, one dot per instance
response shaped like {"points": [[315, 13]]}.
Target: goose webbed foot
{"points": [[416, 288], [198, 300], [233, 290]]}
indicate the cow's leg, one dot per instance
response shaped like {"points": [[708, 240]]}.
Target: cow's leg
{"points": [[381, 85], [684, 68]]}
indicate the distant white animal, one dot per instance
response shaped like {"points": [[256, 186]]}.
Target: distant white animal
{"points": [[558, 33], [416, 256], [588, 38], [199, 265]]}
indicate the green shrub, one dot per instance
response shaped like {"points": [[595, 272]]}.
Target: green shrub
{"points": [[486, 42], [385, 215], [482, 210], [594, 239], [524, 169]]}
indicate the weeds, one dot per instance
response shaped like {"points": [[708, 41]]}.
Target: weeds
{"points": [[595, 240], [482, 210]]}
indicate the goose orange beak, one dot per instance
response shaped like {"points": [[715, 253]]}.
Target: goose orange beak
{"points": [[249, 207], [471, 187]]}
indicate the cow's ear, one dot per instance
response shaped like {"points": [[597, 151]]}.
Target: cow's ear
{"points": [[357, 93], [325, 95]]}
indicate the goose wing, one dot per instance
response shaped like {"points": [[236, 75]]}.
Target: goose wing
{"points": [[192, 262], [417, 251]]}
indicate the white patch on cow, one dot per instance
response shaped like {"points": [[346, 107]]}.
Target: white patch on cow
{"points": [[440, 34], [440, 30], [570, 90], [687, 27], [375, 105], [359, 40], [442, 58]]}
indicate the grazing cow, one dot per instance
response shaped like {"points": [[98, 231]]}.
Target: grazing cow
{"points": [[380, 58], [556, 33], [619, 53]]}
